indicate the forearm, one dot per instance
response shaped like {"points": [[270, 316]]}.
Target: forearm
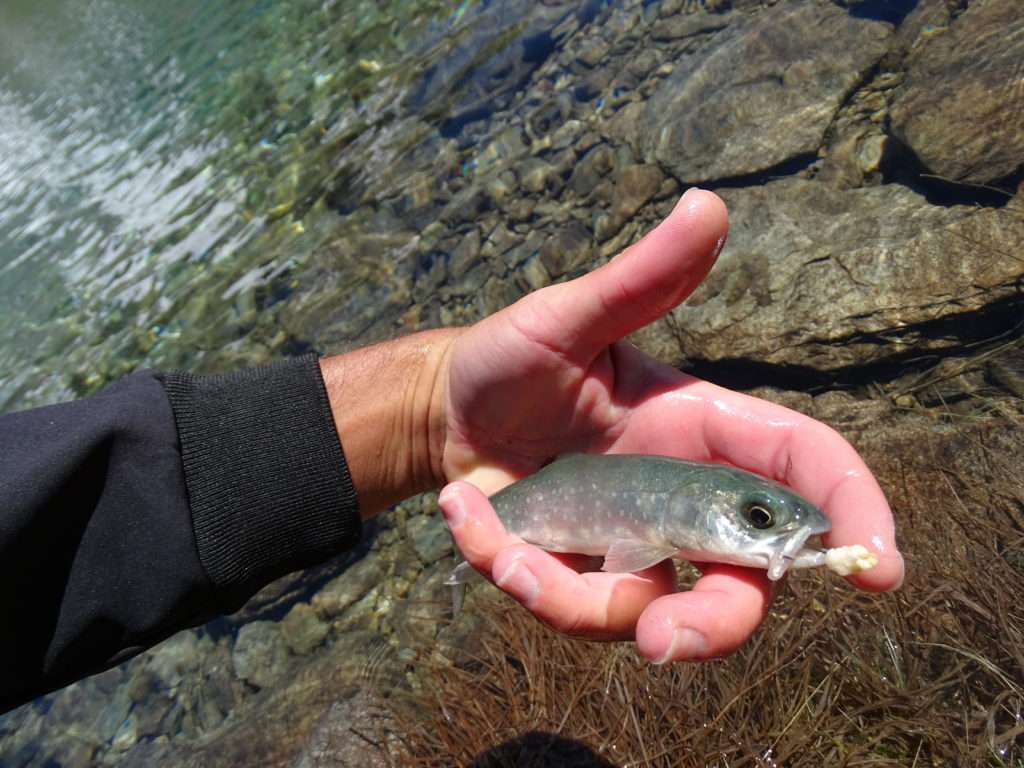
{"points": [[170, 498], [93, 515], [388, 406], [156, 505]]}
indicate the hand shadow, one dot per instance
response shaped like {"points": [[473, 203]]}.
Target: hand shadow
{"points": [[537, 749]]}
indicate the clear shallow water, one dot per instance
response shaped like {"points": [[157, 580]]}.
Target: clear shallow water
{"points": [[159, 161]]}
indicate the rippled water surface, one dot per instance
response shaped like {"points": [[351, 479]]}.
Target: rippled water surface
{"points": [[159, 164]]}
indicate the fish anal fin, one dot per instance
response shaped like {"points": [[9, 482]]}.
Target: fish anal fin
{"points": [[460, 576], [629, 555], [462, 573]]}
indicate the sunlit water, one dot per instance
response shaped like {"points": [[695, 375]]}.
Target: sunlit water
{"points": [[145, 146]]}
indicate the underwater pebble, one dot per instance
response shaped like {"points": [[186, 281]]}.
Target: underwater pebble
{"points": [[303, 630], [430, 537], [259, 655], [350, 586]]}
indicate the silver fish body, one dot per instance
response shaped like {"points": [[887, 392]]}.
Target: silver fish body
{"points": [[638, 510]]}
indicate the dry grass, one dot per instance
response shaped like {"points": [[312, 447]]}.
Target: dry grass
{"points": [[932, 675]]}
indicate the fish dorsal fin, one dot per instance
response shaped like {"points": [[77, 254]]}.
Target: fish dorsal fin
{"points": [[630, 555]]}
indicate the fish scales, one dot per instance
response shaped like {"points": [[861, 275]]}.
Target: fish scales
{"points": [[637, 510], [583, 503]]}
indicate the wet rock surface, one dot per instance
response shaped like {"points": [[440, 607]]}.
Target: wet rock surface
{"points": [[859, 269], [843, 292]]}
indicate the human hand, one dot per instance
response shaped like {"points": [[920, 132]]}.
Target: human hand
{"points": [[551, 375]]}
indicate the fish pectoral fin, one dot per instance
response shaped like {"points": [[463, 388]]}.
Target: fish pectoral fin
{"points": [[629, 555]]}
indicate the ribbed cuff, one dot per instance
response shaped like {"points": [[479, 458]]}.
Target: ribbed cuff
{"points": [[268, 485]]}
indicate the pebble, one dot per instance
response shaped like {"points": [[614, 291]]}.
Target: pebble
{"points": [[303, 630], [430, 537], [259, 655], [569, 248], [350, 586], [534, 174]]}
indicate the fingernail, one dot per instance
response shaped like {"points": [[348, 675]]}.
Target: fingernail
{"points": [[719, 245], [687, 194], [686, 643], [519, 582], [886, 552], [453, 507]]}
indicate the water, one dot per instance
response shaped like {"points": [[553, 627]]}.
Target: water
{"points": [[151, 153]]}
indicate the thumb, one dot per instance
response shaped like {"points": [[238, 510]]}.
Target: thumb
{"points": [[582, 317]]}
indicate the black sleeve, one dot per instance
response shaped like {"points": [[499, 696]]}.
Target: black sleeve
{"points": [[155, 505]]}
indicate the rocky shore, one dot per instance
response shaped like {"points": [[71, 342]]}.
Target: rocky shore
{"points": [[872, 158]]}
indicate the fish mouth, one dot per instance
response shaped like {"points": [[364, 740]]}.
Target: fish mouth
{"points": [[793, 553]]}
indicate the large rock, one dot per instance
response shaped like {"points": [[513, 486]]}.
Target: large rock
{"points": [[961, 107], [819, 277], [765, 94]]}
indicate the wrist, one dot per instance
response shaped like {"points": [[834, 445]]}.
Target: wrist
{"points": [[388, 404]]}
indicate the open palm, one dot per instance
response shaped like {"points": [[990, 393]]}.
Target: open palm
{"points": [[550, 375]]}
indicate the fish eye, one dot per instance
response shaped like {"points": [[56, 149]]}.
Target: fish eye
{"points": [[759, 516]]}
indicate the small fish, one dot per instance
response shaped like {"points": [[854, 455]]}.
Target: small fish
{"points": [[638, 510]]}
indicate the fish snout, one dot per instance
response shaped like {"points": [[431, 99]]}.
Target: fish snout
{"points": [[814, 521]]}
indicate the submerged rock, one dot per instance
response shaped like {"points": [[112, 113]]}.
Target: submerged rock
{"points": [[567, 249], [680, 25], [417, 618], [488, 60], [430, 537], [635, 185], [534, 175], [350, 586], [762, 93], [595, 165], [962, 105], [818, 277], [260, 655], [303, 630], [177, 657], [331, 743]]}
